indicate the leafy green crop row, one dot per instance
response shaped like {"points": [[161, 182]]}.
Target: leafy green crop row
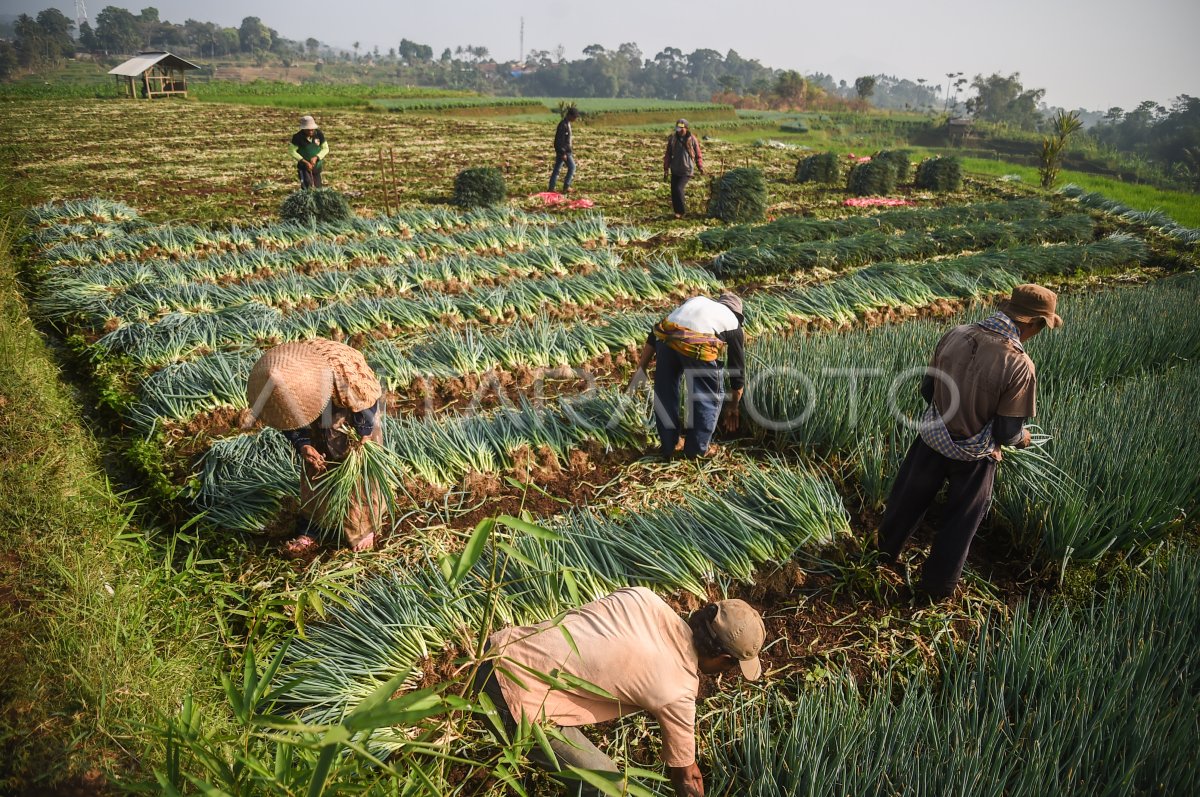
{"points": [[1096, 701], [1152, 219], [177, 336], [799, 229], [218, 380], [403, 618], [137, 239], [1104, 399], [858, 250], [243, 478]]}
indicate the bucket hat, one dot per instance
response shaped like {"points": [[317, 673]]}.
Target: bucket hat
{"points": [[1029, 302], [732, 301], [308, 123], [739, 629]]}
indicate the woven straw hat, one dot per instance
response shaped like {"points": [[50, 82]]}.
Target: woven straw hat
{"points": [[292, 383]]}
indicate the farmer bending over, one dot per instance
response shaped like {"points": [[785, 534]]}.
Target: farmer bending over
{"points": [[981, 387], [309, 148], [316, 392], [633, 646], [689, 344]]}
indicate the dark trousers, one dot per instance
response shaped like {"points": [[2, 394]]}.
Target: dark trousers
{"points": [[967, 500], [309, 179], [576, 751], [705, 385], [559, 160], [678, 186]]}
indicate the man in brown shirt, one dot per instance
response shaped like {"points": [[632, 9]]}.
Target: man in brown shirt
{"points": [[624, 653], [981, 387]]}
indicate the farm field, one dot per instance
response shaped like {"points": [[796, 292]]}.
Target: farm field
{"points": [[150, 254]]}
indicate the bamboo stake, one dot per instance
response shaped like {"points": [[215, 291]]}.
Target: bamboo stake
{"points": [[387, 208]]}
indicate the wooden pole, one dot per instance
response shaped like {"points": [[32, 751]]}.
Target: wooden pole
{"points": [[395, 182], [384, 182]]}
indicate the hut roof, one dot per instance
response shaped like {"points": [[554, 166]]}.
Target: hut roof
{"points": [[143, 61]]}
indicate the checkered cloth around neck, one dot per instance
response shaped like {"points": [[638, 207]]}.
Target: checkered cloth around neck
{"points": [[1003, 325], [933, 428]]}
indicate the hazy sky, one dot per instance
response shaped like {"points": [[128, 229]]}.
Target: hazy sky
{"points": [[1090, 53]]}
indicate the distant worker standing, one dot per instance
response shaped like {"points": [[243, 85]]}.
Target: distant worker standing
{"points": [[309, 148], [318, 393], [641, 654], [680, 162], [690, 344], [981, 388], [564, 150]]}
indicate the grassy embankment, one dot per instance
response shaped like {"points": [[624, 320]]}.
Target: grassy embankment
{"points": [[99, 632]]}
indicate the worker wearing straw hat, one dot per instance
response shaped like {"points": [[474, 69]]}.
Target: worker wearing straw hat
{"points": [[624, 653], [309, 149], [320, 394], [690, 345], [981, 388]]}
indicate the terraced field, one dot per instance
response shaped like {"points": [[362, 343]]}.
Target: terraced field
{"points": [[504, 339]]}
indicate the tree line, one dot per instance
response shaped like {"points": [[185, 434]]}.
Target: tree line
{"points": [[1168, 137]]}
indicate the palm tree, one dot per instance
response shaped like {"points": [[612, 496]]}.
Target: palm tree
{"points": [[1062, 126]]}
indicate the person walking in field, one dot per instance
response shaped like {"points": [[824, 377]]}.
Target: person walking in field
{"points": [[680, 162], [690, 344], [564, 152], [323, 396], [981, 388], [642, 656], [309, 149]]}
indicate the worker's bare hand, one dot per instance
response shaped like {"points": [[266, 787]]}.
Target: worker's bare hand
{"points": [[997, 454], [313, 458], [688, 781], [731, 413]]}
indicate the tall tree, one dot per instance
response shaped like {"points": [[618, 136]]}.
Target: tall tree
{"points": [[87, 37], [117, 30], [864, 87], [56, 30], [791, 89], [1004, 100], [253, 35]]}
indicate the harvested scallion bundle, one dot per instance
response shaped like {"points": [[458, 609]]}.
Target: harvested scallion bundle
{"points": [[366, 481]]}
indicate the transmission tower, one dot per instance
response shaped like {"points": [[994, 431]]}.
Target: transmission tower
{"points": [[522, 38], [81, 14]]}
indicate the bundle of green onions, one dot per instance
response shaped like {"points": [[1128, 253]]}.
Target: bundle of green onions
{"points": [[368, 479]]}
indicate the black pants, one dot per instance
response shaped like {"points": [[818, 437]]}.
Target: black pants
{"points": [[309, 179], [678, 185], [967, 500]]}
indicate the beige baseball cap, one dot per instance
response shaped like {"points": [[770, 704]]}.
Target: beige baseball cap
{"points": [[739, 628]]}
